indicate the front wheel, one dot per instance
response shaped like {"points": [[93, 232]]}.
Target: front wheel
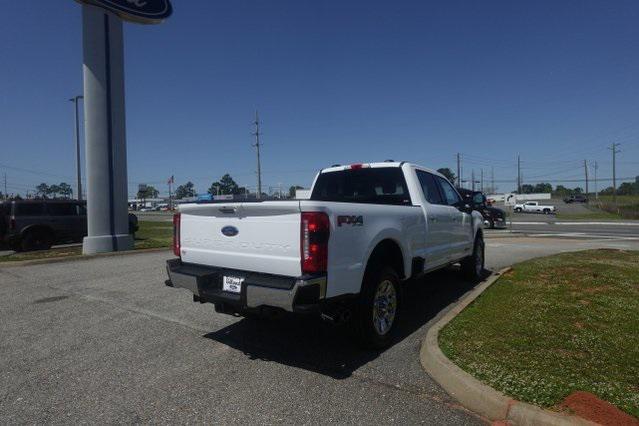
{"points": [[518, 210], [378, 308], [472, 267]]}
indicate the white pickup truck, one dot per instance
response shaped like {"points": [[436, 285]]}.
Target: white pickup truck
{"points": [[534, 207], [342, 254]]}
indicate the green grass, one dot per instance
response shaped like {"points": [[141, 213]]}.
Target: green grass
{"points": [[154, 235], [627, 206], [593, 214], [553, 326], [621, 199], [150, 235]]}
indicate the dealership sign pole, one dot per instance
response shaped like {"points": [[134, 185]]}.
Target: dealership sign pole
{"points": [[103, 70]]}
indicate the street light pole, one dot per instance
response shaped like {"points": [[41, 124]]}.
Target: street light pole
{"points": [[75, 100]]}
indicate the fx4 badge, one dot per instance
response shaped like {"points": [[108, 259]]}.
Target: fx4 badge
{"points": [[350, 220]]}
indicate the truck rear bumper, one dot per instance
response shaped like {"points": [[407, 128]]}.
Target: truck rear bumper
{"points": [[292, 294]]}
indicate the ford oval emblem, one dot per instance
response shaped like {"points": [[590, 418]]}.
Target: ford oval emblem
{"points": [[141, 11], [230, 231]]}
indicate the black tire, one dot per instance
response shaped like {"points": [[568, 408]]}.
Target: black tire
{"points": [[546, 211], [518, 210], [36, 239], [377, 311], [491, 224], [472, 267]]}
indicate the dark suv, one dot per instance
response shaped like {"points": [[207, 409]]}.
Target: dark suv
{"points": [[576, 199], [493, 217], [38, 224]]}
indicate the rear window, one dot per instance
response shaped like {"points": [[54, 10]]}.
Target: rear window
{"points": [[29, 209], [369, 185]]}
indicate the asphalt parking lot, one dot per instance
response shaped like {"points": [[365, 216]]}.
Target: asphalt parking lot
{"points": [[103, 340]]}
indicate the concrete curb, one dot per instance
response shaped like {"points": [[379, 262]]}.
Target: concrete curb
{"points": [[18, 263], [470, 392]]}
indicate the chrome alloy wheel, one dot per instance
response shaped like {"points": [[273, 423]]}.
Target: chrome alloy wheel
{"points": [[384, 307]]}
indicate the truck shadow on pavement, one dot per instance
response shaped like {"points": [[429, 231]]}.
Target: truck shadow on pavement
{"points": [[312, 344]]}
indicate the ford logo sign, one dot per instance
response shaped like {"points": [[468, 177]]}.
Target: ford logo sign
{"points": [[141, 11], [230, 231]]}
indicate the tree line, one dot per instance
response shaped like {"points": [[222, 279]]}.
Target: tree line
{"points": [[61, 190]]}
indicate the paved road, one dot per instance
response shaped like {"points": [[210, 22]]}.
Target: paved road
{"points": [[104, 340], [578, 229]]}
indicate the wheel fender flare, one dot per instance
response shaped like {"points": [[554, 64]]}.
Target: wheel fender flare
{"points": [[395, 237], [36, 227]]}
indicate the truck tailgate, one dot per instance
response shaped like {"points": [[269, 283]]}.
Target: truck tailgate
{"points": [[266, 240]]}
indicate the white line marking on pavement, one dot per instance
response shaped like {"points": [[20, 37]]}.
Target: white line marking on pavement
{"points": [[578, 223], [580, 235]]}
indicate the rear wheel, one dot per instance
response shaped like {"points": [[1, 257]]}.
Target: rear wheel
{"points": [[378, 308], [37, 239], [518, 210], [546, 211], [472, 267]]}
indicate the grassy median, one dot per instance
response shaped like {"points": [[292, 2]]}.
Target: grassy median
{"points": [[556, 325], [151, 234]]}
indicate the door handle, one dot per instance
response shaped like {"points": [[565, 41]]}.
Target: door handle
{"points": [[432, 219]]}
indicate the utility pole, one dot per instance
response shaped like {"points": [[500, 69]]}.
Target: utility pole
{"points": [[492, 179], [75, 101], [259, 166], [518, 174], [472, 177], [482, 180], [615, 151], [586, 170], [6, 194], [459, 179], [595, 166], [170, 182]]}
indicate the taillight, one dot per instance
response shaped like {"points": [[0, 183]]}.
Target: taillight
{"points": [[315, 230], [176, 234], [358, 166]]}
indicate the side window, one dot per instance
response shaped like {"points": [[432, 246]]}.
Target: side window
{"points": [[451, 196], [62, 209], [429, 187], [29, 209], [479, 199]]}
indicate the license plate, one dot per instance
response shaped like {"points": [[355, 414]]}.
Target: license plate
{"points": [[232, 284]]}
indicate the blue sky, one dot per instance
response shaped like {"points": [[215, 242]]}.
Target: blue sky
{"points": [[335, 82]]}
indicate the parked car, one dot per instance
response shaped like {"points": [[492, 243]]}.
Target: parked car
{"points": [[534, 207], [493, 217], [576, 199], [341, 254], [38, 224]]}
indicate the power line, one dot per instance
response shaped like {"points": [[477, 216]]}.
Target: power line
{"points": [[35, 172]]}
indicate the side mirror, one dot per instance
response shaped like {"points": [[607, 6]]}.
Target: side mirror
{"points": [[464, 207]]}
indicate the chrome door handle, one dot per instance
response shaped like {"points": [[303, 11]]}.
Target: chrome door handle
{"points": [[227, 209]]}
